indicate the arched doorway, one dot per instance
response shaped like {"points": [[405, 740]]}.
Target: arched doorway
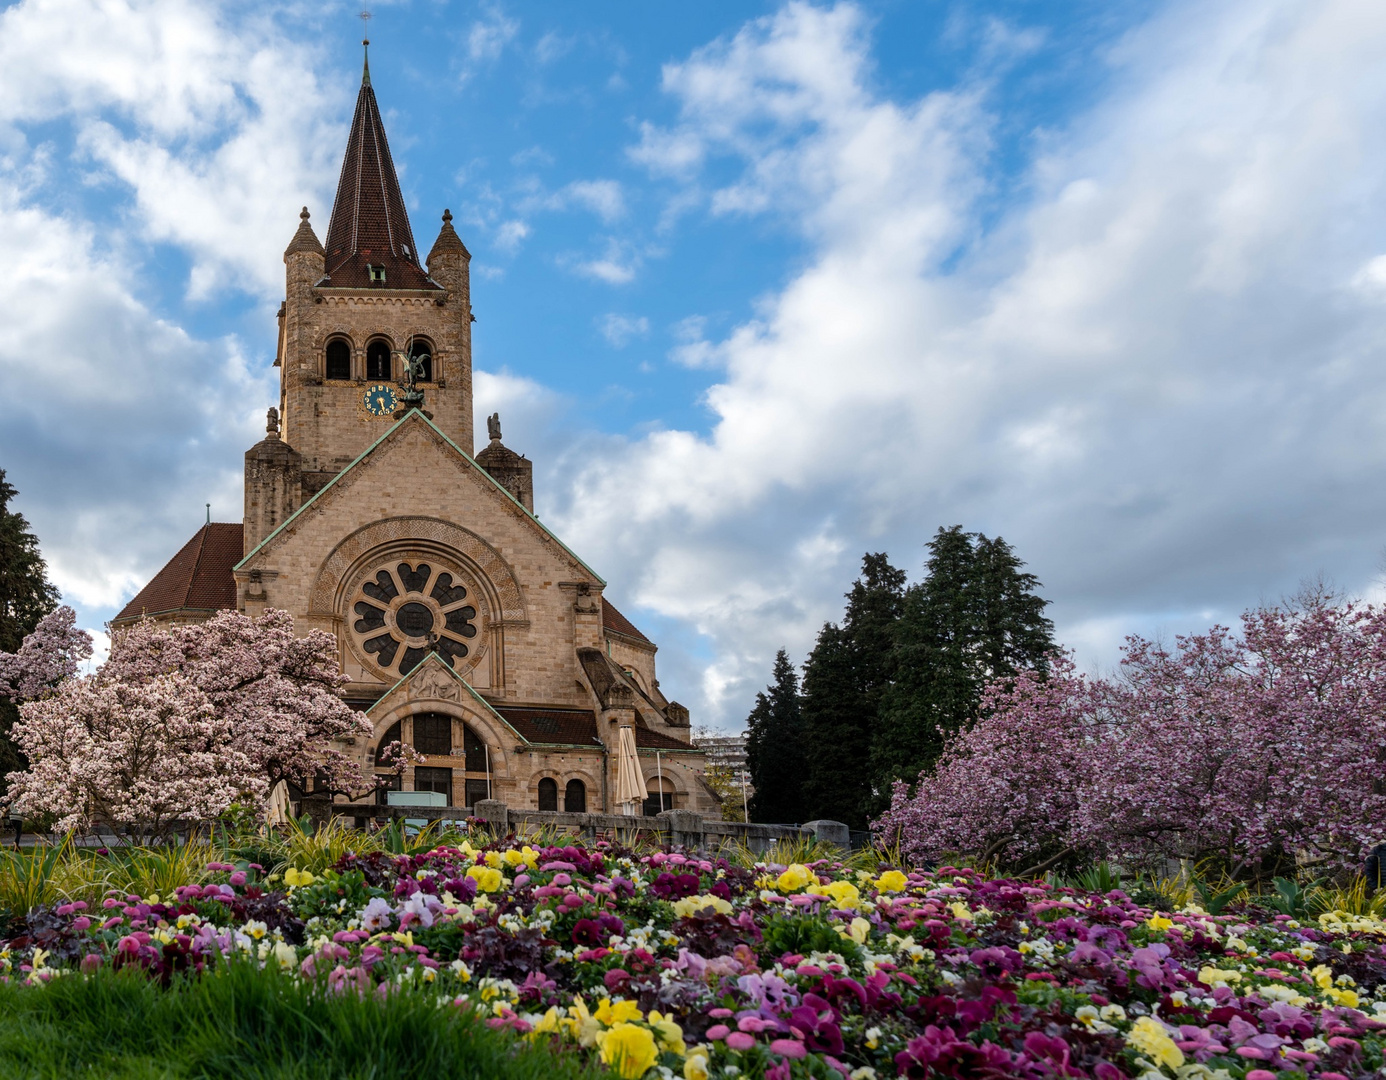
{"points": [[548, 793], [575, 797]]}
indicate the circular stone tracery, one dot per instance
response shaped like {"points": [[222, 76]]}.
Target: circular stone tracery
{"points": [[407, 608]]}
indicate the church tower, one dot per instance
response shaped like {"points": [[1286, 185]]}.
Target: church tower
{"points": [[354, 310]]}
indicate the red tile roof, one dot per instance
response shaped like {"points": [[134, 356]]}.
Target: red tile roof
{"points": [[649, 739], [197, 579], [369, 225], [569, 727], [617, 623]]}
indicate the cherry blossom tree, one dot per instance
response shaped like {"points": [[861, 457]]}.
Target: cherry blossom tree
{"points": [[280, 694], [142, 754]]}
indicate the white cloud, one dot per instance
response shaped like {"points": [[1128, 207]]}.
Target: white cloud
{"points": [[603, 197], [1156, 377], [615, 266], [620, 330], [488, 37], [511, 235]]}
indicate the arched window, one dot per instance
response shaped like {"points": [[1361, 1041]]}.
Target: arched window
{"points": [[392, 779], [548, 793], [419, 347], [575, 797], [338, 360], [378, 360], [659, 795]]}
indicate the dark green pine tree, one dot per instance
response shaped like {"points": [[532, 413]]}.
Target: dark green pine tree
{"points": [[845, 677], [26, 596], [975, 617], [775, 748]]}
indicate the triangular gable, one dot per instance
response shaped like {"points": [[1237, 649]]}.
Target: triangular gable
{"points": [[495, 484], [434, 662]]}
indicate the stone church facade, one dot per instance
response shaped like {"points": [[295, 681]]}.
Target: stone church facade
{"points": [[467, 628]]}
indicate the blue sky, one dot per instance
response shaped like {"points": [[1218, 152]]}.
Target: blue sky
{"points": [[759, 287]]}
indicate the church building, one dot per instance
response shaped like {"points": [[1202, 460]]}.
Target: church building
{"points": [[467, 628]]}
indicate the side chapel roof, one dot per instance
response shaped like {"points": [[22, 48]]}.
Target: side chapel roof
{"points": [[197, 579], [614, 621], [369, 224]]}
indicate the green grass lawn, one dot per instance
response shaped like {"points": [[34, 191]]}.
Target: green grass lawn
{"points": [[249, 1024]]}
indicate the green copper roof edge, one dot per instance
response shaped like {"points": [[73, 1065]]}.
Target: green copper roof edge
{"points": [[466, 457], [475, 696]]}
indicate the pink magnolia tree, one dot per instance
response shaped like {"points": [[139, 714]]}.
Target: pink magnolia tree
{"points": [[180, 721], [53, 652], [1255, 749], [280, 694], [144, 754]]}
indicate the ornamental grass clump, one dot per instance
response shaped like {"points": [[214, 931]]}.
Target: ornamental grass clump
{"points": [[655, 965]]}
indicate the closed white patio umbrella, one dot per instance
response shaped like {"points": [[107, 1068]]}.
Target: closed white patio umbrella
{"points": [[277, 809], [630, 785]]}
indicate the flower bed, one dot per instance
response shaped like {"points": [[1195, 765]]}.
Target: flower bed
{"points": [[667, 963]]}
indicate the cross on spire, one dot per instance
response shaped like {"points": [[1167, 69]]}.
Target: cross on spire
{"points": [[366, 47]]}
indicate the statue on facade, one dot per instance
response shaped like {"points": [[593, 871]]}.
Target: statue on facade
{"points": [[272, 423], [493, 426], [411, 374]]}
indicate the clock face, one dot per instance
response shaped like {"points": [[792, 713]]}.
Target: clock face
{"points": [[380, 400]]}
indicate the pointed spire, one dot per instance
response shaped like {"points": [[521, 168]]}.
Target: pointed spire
{"points": [[305, 239], [369, 241], [366, 68], [448, 242]]}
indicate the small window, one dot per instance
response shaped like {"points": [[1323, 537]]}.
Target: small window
{"points": [[378, 360], [548, 794], [433, 733], [420, 348], [658, 796], [439, 780], [338, 360], [376, 273], [575, 797]]}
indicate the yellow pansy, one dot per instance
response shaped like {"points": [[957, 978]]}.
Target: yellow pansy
{"points": [[795, 877], [960, 912], [667, 1031], [858, 930], [618, 1012], [695, 1064], [1149, 1036], [843, 893], [1158, 921], [294, 878], [546, 1024], [1342, 997], [487, 878], [892, 881], [1323, 976], [285, 954], [629, 1050], [1211, 976], [691, 905]]}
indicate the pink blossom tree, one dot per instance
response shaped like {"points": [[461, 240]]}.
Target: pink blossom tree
{"points": [[140, 754], [280, 694], [52, 653], [1256, 750], [1010, 786]]}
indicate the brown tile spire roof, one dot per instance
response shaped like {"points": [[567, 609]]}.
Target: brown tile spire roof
{"points": [[196, 580], [305, 239], [369, 225], [448, 242]]}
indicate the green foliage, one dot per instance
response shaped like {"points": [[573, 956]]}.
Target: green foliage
{"points": [[844, 680], [246, 1023], [775, 749], [1102, 878], [803, 936], [975, 617], [1213, 900], [1289, 897], [146, 871]]}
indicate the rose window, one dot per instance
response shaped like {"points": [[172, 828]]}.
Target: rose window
{"points": [[406, 610]]}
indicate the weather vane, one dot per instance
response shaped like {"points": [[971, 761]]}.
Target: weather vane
{"points": [[365, 28]]}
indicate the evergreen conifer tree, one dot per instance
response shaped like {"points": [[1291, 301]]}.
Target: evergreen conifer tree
{"points": [[26, 596], [975, 617], [775, 748], [845, 677]]}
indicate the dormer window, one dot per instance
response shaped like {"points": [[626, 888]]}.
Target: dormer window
{"points": [[376, 273]]}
